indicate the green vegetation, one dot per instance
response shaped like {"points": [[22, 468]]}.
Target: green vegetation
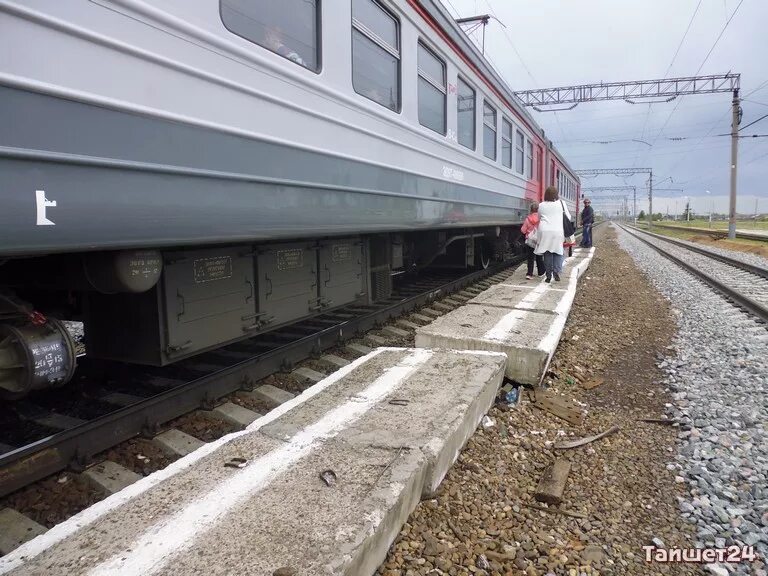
{"points": [[719, 224]]}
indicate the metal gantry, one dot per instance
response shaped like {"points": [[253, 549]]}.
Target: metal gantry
{"points": [[665, 88], [668, 88], [613, 190], [625, 172]]}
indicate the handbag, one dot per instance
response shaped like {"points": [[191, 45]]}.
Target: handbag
{"points": [[533, 238], [568, 228]]}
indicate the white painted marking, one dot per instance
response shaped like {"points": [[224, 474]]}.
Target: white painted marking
{"points": [[42, 204], [151, 552], [505, 326], [549, 342], [61, 531]]}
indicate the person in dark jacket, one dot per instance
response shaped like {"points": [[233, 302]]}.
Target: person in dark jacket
{"points": [[587, 219]]}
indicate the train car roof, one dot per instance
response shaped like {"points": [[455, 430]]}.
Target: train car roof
{"points": [[442, 18]]}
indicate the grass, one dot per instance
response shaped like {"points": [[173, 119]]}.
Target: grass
{"points": [[719, 224], [740, 245]]}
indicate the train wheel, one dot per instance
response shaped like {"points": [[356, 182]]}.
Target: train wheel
{"points": [[483, 254]]}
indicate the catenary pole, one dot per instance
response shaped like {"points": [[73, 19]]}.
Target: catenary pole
{"points": [[734, 162], [650, 200]]}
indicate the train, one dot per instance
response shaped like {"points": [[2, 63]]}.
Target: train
{"points": [[179, 175]]}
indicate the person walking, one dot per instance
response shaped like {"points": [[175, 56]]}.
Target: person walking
{"points": [[587, 220], [530, 229], [550, 232]]}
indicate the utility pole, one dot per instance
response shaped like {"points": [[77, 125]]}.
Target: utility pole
{"points": [[735, 120], [631, 92], [650, 200]]}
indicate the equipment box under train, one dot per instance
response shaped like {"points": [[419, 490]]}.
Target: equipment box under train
{"points": [[208, 298], [204, 299]]}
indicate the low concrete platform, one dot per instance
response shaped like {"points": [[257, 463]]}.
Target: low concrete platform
{"points": [[522, 318], [320, 485], [576, 261]]}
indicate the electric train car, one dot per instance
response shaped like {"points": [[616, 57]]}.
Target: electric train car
{"points": [[182, 174]]}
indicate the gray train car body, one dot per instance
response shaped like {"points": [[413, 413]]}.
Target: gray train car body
{"points": [[153, 154]]}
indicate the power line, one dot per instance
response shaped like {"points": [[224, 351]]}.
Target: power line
{"points": [[717, 40], [719, 36], [454, 7], [696, 11], [751, 123], [511, 43], [674, 57]]}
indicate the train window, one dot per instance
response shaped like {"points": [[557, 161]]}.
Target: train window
{"points": [[506, 143], [432, 91], [519, 152], [288, 28], [489, 131], [465, 111], [529, 159], [376, 53]]}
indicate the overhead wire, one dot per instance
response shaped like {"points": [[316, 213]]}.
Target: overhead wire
{"points": [[671, 63], [703, 62], [720, 119], [520, 58]]}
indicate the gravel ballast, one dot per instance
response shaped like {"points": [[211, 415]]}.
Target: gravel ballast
{"points": [[719, 377]]}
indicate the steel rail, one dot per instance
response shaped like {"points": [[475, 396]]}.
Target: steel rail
{"points": [[729, 293], [751, 268], [715, 233], [75, 447]]}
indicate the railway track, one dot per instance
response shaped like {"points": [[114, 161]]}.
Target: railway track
{"points": [[715, 233], [740, 282], [111, 403]]}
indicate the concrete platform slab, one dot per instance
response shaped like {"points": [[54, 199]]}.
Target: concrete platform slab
{"points": [[529, 338], [176, 442], [110, 477], [16, 529], [539, 296], [387, 426], [522, 319], [573, 262]]}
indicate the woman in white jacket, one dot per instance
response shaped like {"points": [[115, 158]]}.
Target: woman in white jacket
{"points": [[551, 235]]}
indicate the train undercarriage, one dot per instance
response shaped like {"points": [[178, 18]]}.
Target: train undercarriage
{"points": [[158, 306]]}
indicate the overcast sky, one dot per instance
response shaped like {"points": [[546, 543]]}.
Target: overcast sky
{"points": [[563, 42]]}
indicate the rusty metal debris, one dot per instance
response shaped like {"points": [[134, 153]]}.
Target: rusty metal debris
{"points": [[328, 476]]}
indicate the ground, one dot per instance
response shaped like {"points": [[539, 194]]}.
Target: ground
{"points": [[758, 247], [485, 520]]}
